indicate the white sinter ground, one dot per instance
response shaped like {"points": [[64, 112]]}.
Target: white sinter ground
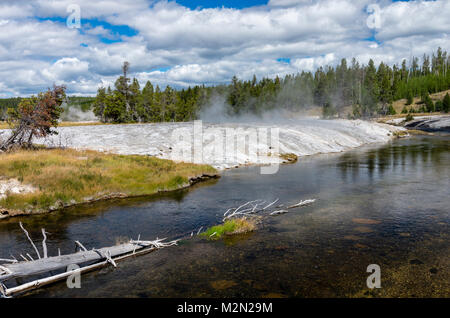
{"points": [[301, 137], [13, 186], [436, 122]]}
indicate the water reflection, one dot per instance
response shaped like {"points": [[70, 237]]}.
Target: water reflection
{"points": [[418, 154], [382, 204]]}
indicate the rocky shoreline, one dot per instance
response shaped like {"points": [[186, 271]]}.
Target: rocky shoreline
{"points": [[432, 123]]}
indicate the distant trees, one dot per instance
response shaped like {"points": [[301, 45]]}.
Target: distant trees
{"points": [[34, 117], [7, 103], [367, 90], [128, 103]]}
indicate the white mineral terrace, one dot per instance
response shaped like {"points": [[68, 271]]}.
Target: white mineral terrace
{"points": [[220, 147]]}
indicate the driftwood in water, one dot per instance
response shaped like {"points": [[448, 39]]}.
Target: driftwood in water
{"points": [[252, 207], [87, 259], [8, 292], [44, 265]]}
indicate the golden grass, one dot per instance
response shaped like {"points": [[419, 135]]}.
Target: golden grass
{"points": [[289, 157], [389, 117], [75, 123], [4, 125], [399, 104], [65, 177]]}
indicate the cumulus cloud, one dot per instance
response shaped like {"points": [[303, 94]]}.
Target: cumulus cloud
{"points": [[174, 45]]}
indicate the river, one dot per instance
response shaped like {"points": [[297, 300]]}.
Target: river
{"points": [[385, 204]]}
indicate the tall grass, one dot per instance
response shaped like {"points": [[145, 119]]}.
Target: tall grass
{"points": [[69, 176]]}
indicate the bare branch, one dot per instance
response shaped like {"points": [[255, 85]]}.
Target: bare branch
{"points": [[279, 212], [302, 203], [8, 260], [81, 246], [44, 245], [29, 238]]}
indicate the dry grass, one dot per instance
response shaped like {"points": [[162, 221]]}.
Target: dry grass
{"points": [[399, 104], [4, 125], [289, 157], [75, 123], [389, 117], [70, 176]]}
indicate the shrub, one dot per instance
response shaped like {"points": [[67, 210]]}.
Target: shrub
{"points": [[409, 117], [391, 110]]}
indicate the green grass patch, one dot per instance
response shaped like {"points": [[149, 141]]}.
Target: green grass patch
{"points": [[230, 227]]}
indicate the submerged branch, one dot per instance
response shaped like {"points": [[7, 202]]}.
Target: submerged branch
{"points": [[31, 241]]}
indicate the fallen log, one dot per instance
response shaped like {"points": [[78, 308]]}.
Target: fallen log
{"points": [[87, 260], [43, 265], [8, 292]]}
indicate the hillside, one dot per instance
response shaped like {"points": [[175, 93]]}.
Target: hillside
{"points": [[399, 104]]}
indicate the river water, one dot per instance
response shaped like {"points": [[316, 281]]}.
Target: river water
{"points": [[385, 204]]}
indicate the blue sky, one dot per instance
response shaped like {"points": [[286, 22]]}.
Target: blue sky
{"points": [[237, 4], [191, 42]]}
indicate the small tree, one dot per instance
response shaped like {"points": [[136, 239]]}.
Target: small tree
{"points": [[429, 104], [446, 103], [438, 106], [328, 110], [100, 104], [34, 117], [391, 110], [409, 98], [409, 117]]}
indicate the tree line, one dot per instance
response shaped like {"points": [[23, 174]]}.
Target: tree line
{"points": [[82, 102], [128, 103], [367, 89]]}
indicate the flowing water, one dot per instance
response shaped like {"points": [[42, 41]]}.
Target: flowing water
{"points": [[385, 204]]}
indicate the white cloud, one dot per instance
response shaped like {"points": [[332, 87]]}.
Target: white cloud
{"points": [[204, 45], [312, 63], [66, 68]]}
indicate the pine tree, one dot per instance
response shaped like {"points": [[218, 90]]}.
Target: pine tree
{"points": [[145, 103], [446, 103], [409, 98], [100, 104]]}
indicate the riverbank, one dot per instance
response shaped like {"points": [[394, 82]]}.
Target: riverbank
{"points": [[51, 179], [131, 160]]}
